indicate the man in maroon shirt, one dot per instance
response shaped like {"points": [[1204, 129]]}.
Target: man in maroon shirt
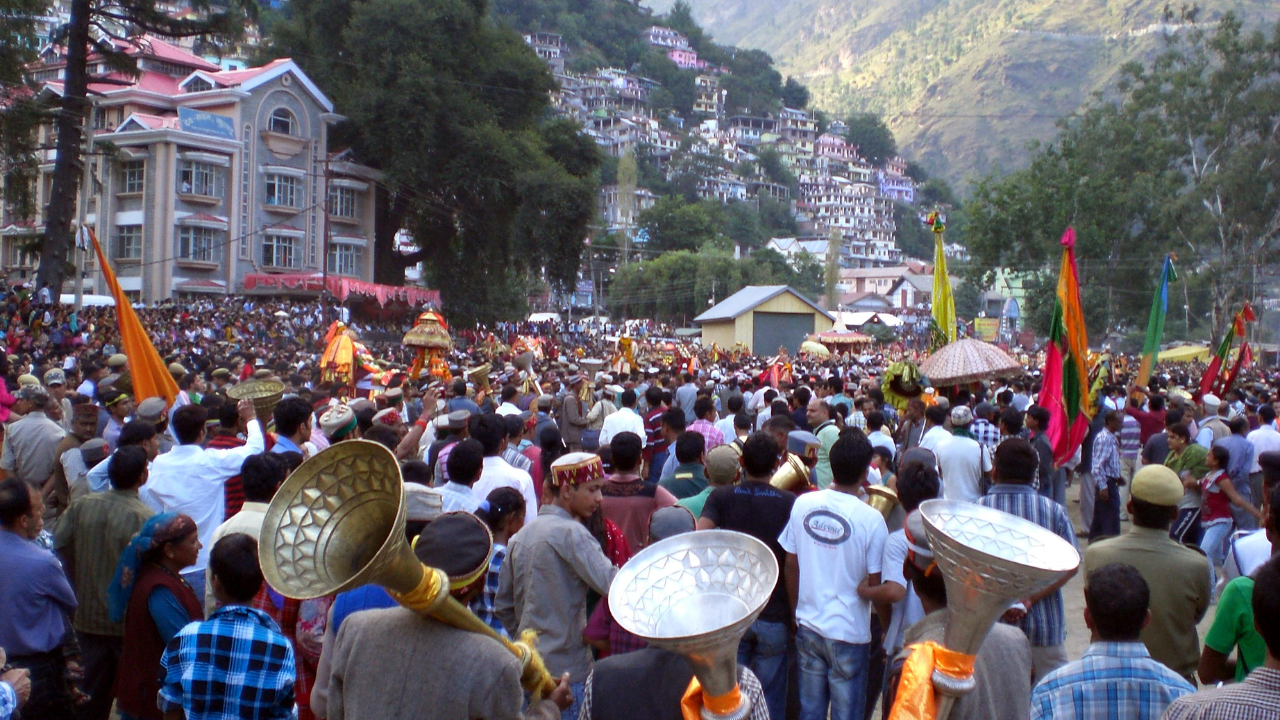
{"points": [[1150, 421], [655, 446]]}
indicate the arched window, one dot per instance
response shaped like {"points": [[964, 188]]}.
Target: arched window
{"points": [[282, 122]]}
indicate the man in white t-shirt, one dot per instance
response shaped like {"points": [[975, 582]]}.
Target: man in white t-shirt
{"points": [[935, 432], [962, 461], [835, 546], [894, 596]]}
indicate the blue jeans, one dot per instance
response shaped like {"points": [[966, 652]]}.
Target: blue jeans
{"points": [[765, 650], [832, 673], [579, 691], [1214, 544]]}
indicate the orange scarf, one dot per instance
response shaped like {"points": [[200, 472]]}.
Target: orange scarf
{"points": [[915, 699]]}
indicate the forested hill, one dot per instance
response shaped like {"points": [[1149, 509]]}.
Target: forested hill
{"points": [[607, 33], [964, 84]]}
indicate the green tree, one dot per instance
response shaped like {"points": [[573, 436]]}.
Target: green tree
{"points": [[19, 115], [92, 29], [831, 270], [1183, 156], [672, 224], [874, 139], [451, 106], [968, 299], [795, 94]]}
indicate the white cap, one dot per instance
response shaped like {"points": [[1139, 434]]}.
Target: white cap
{"points": [[1211, 402]]}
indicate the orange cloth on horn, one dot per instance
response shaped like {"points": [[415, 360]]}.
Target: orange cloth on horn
{"points": [[693, 700], [915, 699]]}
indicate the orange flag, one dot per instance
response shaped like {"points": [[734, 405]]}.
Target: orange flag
{"points": [[150, 375]]}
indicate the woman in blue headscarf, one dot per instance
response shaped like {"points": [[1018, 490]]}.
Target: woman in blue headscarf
{"points": [[150, 596]]}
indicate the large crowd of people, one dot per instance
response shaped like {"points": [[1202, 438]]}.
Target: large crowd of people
{"points": [[131, 583]]}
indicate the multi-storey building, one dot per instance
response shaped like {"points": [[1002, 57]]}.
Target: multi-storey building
{"points": [[710, 98], [216, 175], [895, 184], [618, 216], [549, 47], [862, 216], [662, 37], [799, 127]]}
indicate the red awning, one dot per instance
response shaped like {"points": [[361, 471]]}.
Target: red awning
{"points": [[341, 287]]}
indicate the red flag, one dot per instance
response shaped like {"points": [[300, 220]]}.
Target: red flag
{"points": [[1064, 393], [1243, 359]]}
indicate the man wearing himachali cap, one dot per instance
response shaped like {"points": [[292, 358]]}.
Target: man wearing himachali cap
{"points": [[551, 564]]}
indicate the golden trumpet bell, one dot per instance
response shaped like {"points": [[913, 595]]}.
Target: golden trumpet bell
{"points": [[338, 523], [265, 394]]}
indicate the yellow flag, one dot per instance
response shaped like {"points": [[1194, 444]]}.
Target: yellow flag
{"points": [[944, 306]]}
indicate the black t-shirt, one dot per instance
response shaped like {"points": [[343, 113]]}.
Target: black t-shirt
{"points": [[761, 511]]}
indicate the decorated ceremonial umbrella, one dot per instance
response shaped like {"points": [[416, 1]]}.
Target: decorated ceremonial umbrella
{"points": [[832, 337], [967, 360], [815, 349]]}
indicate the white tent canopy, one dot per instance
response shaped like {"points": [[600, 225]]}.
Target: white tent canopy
{"points": [[858, 319]]}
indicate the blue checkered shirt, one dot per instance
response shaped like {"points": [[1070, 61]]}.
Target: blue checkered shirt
{"points": [[1045, 622], [1112, 681], [8, 701], [986, 433], [234, 665], [483, 605]]}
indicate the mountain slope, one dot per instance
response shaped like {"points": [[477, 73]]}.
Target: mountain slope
{"points": [[965, 84]]}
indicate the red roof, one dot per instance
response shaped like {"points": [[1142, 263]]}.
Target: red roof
{"points": [[151, 46], [231, 78], [204, 217], [156, 122]]}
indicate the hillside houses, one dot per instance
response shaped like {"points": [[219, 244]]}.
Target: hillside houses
{"points": [[834, 188]]}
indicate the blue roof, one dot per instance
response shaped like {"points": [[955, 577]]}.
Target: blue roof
{"points": [[750, 297]]}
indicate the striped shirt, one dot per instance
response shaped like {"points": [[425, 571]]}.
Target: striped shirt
{"points": [[1112, 681], [1254, 699], [1130, 438], [94, 532], [1106, 457], [1044, 623], [516, 459]]}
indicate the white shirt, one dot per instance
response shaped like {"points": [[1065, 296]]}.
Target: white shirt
{"points": [[725, 426], [961, 463], [933, 438], [625, 420], [456, 497], [507, 408], [838, 540], [879, 439], [1264, 439], [249, 522], [499, 473], [908, 610], [191, 480], [1246, 552]]}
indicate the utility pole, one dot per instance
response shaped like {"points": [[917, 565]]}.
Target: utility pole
{"points": [[82, 211], [324, 255]]}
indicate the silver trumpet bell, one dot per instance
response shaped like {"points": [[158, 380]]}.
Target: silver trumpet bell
{"points": [[989, 560], [696, 594]]}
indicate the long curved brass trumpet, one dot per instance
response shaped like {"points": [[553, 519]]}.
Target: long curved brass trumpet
{"points": [[338, 523]]}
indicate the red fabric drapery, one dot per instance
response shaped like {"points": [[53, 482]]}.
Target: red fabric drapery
{"points": [[342, 287]]}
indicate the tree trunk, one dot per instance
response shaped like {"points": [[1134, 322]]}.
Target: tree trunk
{"points": [[68, 166], [388, 265]]}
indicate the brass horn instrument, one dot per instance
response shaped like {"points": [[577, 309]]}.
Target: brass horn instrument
{"points": [[989, 559], [338, 523], [792, 475], [885, 501], [480, 378], [696, 594], [265, 394], [524, 363]]}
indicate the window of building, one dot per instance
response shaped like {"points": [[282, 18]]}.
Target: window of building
{"points": [[344, 259], [282, 190], [198, 84], [282, 122], [197, 178], [281, 251], [128, 242], [199, 244], [131, 176], [99, 118], [342, 202]]}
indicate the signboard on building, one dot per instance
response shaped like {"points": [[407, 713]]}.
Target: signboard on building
{"points": [[987, 329], [206, 123]]}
